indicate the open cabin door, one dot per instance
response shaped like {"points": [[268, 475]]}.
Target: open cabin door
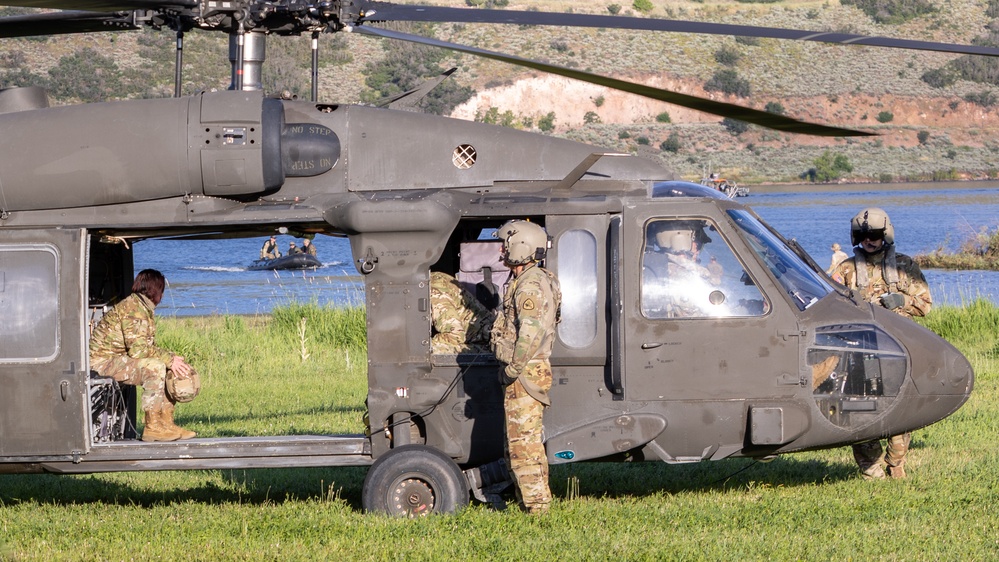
{"points": [[43, 363]]}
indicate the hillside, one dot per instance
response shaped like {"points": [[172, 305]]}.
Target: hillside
{"points": [[924, 132]]}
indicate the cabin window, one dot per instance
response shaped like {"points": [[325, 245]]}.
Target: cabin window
{"points": [[577, 275], [29, 303], [689, 271]]}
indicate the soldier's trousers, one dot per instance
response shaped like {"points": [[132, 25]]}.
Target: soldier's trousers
{"points": [[525, 446], [869, 453], [146, 372]]}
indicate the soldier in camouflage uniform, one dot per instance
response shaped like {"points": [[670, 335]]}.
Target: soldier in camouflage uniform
{"points": [[123, 347], [522, 339], [308, 247], [672, 281], [892, 280], [461, 323]]}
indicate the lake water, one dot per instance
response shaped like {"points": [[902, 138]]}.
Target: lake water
{"points": [[210, 276]]}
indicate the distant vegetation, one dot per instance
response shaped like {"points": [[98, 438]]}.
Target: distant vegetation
{"points": [[829, 167], [892, 12], [980, 251], [406, 66]]}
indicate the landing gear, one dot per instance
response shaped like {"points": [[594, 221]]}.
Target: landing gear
{"points": [[414, 481]]}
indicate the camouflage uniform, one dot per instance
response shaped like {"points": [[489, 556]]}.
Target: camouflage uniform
{"points": [[673, 284], [123, 347], [522, 338], [309, 248], [879, 277], [461, 323], [885, 272]]}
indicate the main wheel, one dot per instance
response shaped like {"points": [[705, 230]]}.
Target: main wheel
{"points": [[414, 481]]}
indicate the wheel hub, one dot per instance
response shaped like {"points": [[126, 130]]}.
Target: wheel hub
{"points": [[413, 497]]}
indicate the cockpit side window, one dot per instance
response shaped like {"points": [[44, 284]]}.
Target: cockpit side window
{"points": [[689, 271]]}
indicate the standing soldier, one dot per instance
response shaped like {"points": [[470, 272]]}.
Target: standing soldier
{"points": [[894, 281], [522, 339], [269, 250], [838, 257]]}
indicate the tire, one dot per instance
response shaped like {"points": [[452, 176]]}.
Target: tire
{"points": [[414, 481]]}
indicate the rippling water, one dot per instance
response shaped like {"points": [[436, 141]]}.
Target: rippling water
{"points": [[210, 276]]}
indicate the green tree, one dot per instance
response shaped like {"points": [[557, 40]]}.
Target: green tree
{"points": [[885, 117], [829, 167], [728, 81], [923, 136], [735, 126], [671, 144], [774, 107], [614, 9], [643, 6], [547, 123], [727, 55], [663, 118], [591, 117]]}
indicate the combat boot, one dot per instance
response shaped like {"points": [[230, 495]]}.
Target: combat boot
{"points": [[873, 472], [156, 429], [168, 409], [896, 472]]}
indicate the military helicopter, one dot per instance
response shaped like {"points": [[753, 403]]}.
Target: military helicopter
{"points": [[757, 354]]}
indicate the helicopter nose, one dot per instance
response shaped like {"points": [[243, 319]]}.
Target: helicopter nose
{"points": [[943, 378]]}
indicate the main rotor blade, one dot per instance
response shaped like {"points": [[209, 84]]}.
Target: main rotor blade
{"points": [[101, 5], [382, 11], [754, 116], [60, 23]]}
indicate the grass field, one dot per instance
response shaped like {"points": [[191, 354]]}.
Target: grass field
{"points": [[275, 375]]}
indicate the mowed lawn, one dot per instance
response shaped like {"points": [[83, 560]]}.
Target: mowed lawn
{"points": [[279, 375]]}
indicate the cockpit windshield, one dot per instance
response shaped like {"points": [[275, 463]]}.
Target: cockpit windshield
{"points": [[802, 283]]}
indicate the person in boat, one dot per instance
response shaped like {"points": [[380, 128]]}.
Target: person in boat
{"points": [[293, 249], [269, 250], [308, 247]]}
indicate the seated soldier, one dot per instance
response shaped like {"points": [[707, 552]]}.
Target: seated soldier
{"points": [[460, 322]]}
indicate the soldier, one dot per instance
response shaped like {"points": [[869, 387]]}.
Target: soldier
{"points": [[293, 249], [123, 347], [269, 250], [522, 339], [675, 284], [461, 323], [838, 257], [885, 278], [308, 247]]}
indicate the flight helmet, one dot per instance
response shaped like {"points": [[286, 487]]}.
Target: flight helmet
{"points": [[676, 240], [871, 220], [523, 242]]}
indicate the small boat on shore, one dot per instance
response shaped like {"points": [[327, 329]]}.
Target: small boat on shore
{"points": [[294, 261]]}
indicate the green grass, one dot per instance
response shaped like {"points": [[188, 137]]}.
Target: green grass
{"points": [[807, 506]]}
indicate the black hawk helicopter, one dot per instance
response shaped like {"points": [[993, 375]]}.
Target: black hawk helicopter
{"points": [[764, 356]]}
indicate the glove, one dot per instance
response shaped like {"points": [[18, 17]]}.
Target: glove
{"points": [[891, 301], [504, 377]]}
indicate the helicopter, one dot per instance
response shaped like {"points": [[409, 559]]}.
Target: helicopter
{"points": [[764, 356]]}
